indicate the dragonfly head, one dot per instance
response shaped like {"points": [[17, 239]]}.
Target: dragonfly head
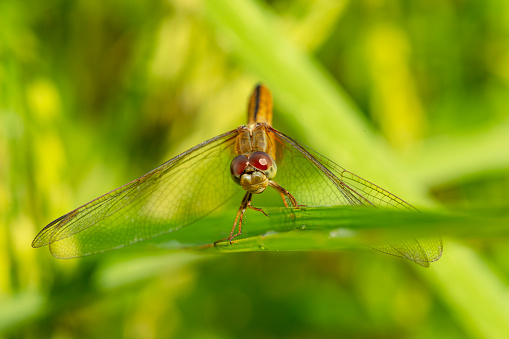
{"points": [[254, 172]]}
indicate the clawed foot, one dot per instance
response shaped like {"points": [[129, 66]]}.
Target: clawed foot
{"points": [[258, 209], [229, 239], [218, 241]]}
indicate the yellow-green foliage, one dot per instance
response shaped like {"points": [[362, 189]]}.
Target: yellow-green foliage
{"points": [[409, 94]]}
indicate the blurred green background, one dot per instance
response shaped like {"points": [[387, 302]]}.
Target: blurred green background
{"points": [[412, 95]]}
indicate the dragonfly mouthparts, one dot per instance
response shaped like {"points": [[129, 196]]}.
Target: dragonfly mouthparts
{"points": [[254, 182]]}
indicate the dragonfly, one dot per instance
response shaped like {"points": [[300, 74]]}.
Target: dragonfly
{"points": [[193, 184]]}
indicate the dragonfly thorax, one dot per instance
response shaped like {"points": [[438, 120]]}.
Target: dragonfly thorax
{"points": [[254, 172]]}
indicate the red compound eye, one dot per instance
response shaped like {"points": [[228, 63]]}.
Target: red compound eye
{"points": [[238, 165], [260, 160]]}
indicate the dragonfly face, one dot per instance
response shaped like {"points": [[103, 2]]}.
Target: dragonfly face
{"points": [[180, 192], [254, 172]]}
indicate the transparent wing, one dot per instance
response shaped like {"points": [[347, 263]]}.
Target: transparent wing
{"points": [[315, 180], [175, 194]]}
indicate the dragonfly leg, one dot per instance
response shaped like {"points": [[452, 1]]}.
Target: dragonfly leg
{"points": [[246, 201], [283, 197], [284, 194], [257, 209]]}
